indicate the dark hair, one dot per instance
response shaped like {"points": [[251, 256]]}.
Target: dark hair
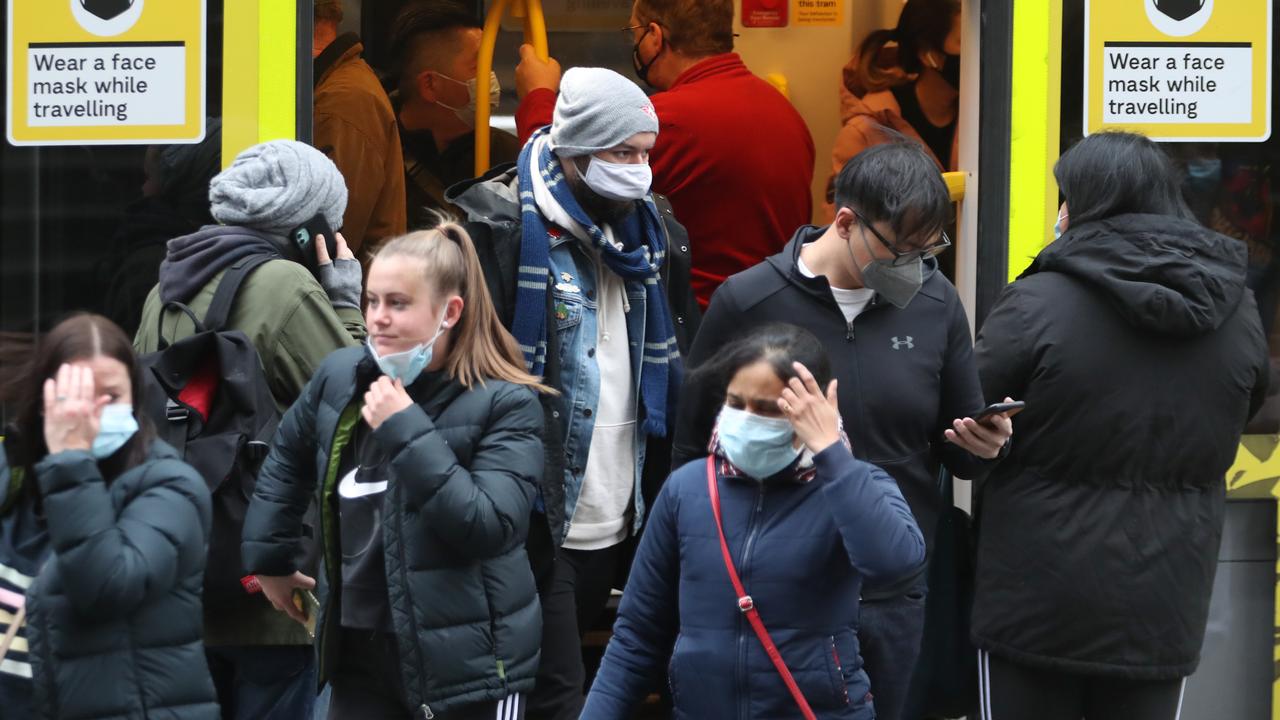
{"points": [[923, 25], [1117, 173], [777, 344], [896, 182], [82, 336], [423, 26], [697, 28]]}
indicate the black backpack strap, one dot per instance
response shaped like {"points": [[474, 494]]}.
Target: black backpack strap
{"points": [[180, 307], [224, 297]]}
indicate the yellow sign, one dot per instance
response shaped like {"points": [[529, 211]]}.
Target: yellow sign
{"points": [[1179, 69], [106, 72], [817, 12]]}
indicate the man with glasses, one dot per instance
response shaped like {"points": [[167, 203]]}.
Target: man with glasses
{"points": [[734, 157], [901, 351]]}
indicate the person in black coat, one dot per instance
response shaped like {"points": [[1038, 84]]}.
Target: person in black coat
{"points": [[1140, 355], [423, 451], [102, 543]]}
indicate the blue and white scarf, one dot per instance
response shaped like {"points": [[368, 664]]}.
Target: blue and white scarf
{"points": [[639, 259]]}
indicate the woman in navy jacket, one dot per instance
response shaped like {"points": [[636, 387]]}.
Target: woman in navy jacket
{"points": [[805, 523]]}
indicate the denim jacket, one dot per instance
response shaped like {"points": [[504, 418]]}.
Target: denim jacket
{"points": [[493, 210], [574, 306]]}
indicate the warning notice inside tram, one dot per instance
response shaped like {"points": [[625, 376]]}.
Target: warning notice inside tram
{"points": [[1177, 82], [130, 84]]}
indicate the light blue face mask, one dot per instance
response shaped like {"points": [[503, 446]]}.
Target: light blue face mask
{"points": [[406, 366], [115, 427], [758, 446], [1057, 227]]}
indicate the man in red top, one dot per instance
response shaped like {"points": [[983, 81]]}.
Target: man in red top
{"points": [[733, 155]]}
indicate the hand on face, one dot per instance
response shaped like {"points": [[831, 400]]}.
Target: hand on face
{"points": [[72, 413], [385, 398], [815, 416], [984, 439]]}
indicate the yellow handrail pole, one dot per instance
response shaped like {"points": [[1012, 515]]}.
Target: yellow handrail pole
{"points": [[488, 43], [535, 34]]}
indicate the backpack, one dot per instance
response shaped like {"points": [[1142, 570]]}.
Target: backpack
{"points": [[208, 397]]}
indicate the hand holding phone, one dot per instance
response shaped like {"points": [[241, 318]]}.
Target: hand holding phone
{"points": [[308, 235], [308, 605], [1011, 408]]}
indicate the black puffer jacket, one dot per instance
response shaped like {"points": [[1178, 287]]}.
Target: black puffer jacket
{"points": [[463, 471], [1140, 355], [114, 617]]}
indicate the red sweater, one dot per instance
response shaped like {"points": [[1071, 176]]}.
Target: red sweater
{"points": [[734, 157]]}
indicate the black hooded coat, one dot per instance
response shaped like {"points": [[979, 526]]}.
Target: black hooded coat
{"points": [[1140, 355]]}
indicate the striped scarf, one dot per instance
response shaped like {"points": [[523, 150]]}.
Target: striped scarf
{"points": [[639, 260]]}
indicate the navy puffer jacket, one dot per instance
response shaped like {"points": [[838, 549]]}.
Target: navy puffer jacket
{"points": [[114, 617], [802, 551]]}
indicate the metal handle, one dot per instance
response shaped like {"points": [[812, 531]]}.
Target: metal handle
{"points": [[535, 34]]}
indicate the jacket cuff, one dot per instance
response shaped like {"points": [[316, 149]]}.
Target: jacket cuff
{"points": [[403, 427], [833, 460], [64, 469]]}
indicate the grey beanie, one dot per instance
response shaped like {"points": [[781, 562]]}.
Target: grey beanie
{"points": [[598, 109], [276, 186]]}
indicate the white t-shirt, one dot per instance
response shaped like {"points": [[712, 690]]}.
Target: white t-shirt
{"points": [[851, 302]]}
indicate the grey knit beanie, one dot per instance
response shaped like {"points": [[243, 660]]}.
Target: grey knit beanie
{"points": [[598, 109], [276, 186]]}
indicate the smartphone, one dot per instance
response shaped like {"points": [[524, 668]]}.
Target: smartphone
{"points": [[1013, 408], [306, 601], [305, 236]]}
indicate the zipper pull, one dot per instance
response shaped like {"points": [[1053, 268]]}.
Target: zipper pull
{"points": [[848, 333], [426, 712]]}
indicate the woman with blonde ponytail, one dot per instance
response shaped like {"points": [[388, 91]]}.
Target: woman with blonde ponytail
{"points": [[423, 450]]}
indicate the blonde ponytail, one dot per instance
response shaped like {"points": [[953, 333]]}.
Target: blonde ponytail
{"points": [[480, 347]]}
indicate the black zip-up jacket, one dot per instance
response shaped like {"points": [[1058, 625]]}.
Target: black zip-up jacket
{"points": [[1140, 355], [904, 374], [463, 467]]}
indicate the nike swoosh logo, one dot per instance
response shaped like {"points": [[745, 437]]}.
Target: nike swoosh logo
{"points": [[350, 489]]}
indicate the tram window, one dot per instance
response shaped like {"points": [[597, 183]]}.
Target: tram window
{"points": [[1232, 187], [84, 226]]}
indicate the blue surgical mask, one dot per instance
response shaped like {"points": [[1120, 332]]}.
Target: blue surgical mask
{"points": [[758, 446], [1204, 176], [618, 181], [406, 366], [467, 113], [1057, 226], [116, 426]]}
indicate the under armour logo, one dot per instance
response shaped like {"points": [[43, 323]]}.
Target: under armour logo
{"points": [[903, 343]]}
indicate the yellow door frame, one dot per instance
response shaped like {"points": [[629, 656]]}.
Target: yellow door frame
{"points": [[259, 70], [1033, 207]]}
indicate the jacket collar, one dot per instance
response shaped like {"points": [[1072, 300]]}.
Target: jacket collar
{"points": [[728, 64], [341, 51], [787, 264]]}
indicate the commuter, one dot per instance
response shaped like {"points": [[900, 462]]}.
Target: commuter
{"points": [[262, 663], [867, 286], [1141, 356], [355, 126], [437, 50], [174, 202], [591, 272], [795, 506], [735, 157], [423, 451], [102, 535], [912, 87]]}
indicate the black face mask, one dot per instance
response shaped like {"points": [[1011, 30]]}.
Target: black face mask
{"points": [[950, 71], [641, 67], [1179, 9], [106, 9]]}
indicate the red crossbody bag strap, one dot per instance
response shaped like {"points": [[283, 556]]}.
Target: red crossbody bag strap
{"points": [[745, 603]]}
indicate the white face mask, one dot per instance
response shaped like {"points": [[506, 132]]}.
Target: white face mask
{"points": [[467, 113], [618, 181]]}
